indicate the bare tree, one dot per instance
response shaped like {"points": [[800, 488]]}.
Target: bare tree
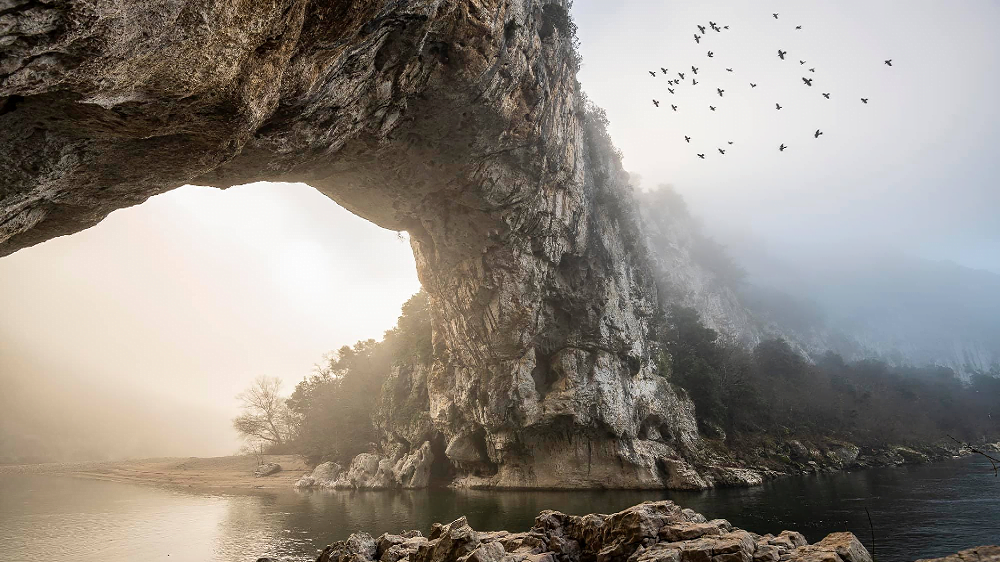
{"points": [[265, 419]]}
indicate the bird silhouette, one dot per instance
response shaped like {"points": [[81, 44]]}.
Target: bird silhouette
{"points": [[888, 62], [808, 81], [671, 90], [782, 147], [864, 100], [701, 28], [798, 27], [653, 74], [687, 138], [712, 107], [777, 106], [681, 74], [717, 29], [702, 156], [730, 142], [694, 82], [720, 90], [812, 70], [656, 102], [781, 54], [663, 70], [721, 151], [725, 27], [674, 107], [817, 134], [694, 69], [802, 62], [711, 54], [729, 70], [697, 38], [826, 95], [752, 85], [775, 16], [711, 24]]}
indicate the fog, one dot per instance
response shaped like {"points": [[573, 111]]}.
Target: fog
{"points": [[133, 337], [914, 171]]}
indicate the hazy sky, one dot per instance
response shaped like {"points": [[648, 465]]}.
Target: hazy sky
{"points": [[185, 299], [176, 305], [917, 168]]}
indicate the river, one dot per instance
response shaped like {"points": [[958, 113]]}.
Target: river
{"points": [[918, 511]]}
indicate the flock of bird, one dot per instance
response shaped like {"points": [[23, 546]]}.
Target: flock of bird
{"points": [[674, 82]]}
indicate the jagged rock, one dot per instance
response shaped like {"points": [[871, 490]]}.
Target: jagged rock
{"points": [[359, 547], [847, 546], [323, 476], [267, 469], [642, 533], [846, 454], [978, 554], [461, 123]]}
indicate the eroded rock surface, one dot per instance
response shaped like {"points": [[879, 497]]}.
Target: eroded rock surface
{"points": [[460, 122], [649, 532]]}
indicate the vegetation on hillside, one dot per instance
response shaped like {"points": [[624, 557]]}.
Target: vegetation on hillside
{"points": [[773, 389]]}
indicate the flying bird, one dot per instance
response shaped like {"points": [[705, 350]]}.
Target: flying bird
{"points": [[694, 69], [817, 134], [681, 74], [777, 106], [812, 70], [674, 107], [656, 102], [781, 54], [712, 107], [808, 81], [710, 54], [720, 91], [802, 62], [725, 27], [687, 138], [888, 62], [663, 70], [697, 38], [826, 95], [702, 156], [711, 24], [721, 151], [782, 147], [864, 100], [730, 142], [671, 90], [752, 85], [729, 70], [775, 16], [653, 74], [701, 28], [694, 82], [798, 27]]}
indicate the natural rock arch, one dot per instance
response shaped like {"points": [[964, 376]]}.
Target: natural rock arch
{"points": [[460, 122]]}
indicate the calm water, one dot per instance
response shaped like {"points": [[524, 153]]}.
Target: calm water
{"points": [[918, 511]]}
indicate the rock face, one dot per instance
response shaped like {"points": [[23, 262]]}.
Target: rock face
{"points": [[649, 532], [459, 122], [374, 472]]}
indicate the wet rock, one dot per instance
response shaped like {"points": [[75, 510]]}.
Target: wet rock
{"points": [[978, 554], [359, 547], [847, 546], [323, 476]]}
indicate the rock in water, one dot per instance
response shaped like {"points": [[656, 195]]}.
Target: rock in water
{"points": [[461, 123], [649, 532]]}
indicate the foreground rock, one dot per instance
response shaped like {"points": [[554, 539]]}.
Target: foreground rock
{"points": [[649, 532], [978, 554]]}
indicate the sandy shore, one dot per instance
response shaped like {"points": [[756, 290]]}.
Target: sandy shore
{"points": [[216, 473]]}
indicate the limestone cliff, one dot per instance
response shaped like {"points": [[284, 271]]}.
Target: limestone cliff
{"points": [[459, 122]]}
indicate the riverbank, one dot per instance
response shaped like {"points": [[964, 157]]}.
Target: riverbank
{"points": [[234, 473]]}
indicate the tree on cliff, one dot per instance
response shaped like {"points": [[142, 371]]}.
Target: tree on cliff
{"points": [[265, 419]]}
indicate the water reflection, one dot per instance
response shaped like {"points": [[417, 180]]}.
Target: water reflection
{"points": [[918, 511]]}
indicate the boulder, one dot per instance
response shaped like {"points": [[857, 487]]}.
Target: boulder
{"points": [[267, 469], [847, 546], [978, 554]]}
